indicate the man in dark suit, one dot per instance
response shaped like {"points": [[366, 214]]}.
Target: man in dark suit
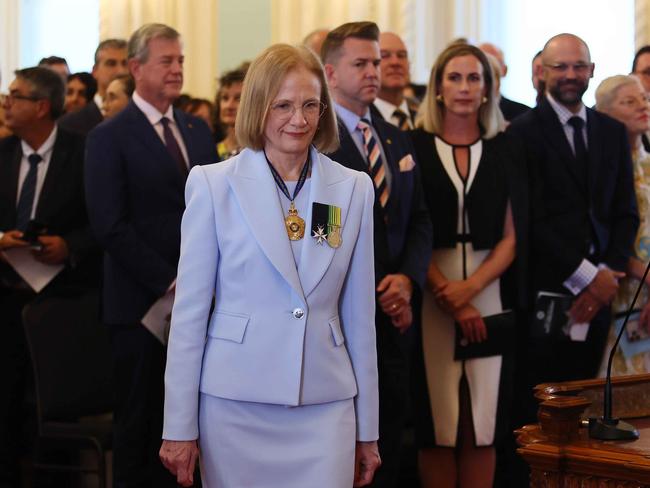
{"points": [[391, 105], [401, 224], [583, 217], [110, 62], [40, 180], [509, 108], [136, 166]]}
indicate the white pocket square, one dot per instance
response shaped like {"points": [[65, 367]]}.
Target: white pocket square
{"points": [[406, 163]]}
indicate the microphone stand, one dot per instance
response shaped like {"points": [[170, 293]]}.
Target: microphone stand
{"points": [[606, 427]]}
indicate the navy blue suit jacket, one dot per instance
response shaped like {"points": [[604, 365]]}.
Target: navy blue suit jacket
{"points": [[402, 239], [135, 197], [571, 212]]}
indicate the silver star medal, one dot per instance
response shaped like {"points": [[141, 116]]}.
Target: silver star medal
{"points": [[319, 235]]}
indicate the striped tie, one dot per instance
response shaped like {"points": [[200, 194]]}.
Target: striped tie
{"points": [[402, 119], [27, 192], [375, 165]]}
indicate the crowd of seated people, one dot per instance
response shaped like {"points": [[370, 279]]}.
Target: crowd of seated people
{"points": [[484, 208]]}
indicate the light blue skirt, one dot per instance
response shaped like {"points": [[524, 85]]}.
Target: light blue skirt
{"points": [[257, 445]]}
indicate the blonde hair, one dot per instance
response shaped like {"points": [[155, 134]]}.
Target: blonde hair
{"points": [[431, 114], [261, 85], [608, 90]]}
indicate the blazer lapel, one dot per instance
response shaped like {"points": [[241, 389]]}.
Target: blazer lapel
{"points": [[185, 127], [9, 181], [594, 149], [556, 138], [257, 195], [392, 161], [330, 186], [145, 133], [57, 163]]}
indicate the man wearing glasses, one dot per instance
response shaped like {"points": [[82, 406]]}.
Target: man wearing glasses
{"points": [[40, 181], [583, 221]]}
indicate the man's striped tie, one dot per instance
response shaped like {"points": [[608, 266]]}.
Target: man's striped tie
{"points": [[375, 165], [402, 119]]}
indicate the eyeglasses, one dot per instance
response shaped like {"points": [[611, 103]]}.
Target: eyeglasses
{"points": [[11, 98], [579, 68], [311, 109]]}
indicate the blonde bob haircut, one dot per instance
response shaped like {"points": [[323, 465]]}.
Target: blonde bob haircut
{"points": [[261, 85], [607, 91], [432, 111]]}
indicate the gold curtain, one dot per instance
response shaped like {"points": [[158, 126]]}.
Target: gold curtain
{"points": [[196, 20], [641, 23], [9, 40]]}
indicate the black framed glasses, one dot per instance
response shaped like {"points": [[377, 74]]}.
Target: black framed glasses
{"points": [[12, 97]]}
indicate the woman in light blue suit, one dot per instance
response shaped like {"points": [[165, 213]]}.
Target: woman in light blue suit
{"points": [[278, 386]]}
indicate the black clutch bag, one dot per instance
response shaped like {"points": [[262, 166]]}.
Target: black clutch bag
{"points": [[500, 338]]}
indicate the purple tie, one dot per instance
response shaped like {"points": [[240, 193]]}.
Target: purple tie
{"points": [[172, 146]]}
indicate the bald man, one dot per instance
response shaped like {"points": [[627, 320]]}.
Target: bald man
{"points": [[314, 40], [509, 108], [583, 221], [391, 104]]}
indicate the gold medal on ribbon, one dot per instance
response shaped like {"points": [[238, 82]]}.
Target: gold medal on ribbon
{"points": [[334, 227], [295, 224]]}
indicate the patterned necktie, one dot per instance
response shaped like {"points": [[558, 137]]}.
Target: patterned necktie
{"points": [[172, 146], [27, 192], [375, 166], [579, 147], [402, 119]]}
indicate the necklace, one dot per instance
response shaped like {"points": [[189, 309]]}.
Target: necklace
{"points": [[294, 224]]}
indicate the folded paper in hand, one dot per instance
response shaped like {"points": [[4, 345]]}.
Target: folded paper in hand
{"points": [[36, 274], [158, 318]]}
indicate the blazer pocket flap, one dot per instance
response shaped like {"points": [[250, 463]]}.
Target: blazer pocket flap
{"points": [[228, 326], [337, 334]]}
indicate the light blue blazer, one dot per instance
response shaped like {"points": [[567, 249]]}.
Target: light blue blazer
{"points": [[256, 346]]}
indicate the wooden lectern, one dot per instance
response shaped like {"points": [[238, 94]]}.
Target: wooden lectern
{"points": [[561, 454]]}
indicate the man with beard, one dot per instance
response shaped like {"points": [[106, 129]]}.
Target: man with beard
{"points": [[391, 104], [583, 221]]}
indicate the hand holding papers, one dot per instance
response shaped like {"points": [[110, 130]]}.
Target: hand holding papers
{"points": [[35, 273], [158, 318]]}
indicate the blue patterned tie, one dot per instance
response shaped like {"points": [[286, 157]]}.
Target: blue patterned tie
{"points": [[27, 192]]}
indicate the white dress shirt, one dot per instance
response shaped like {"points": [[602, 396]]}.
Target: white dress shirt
{"points": [[387, 109], [45, 152], [154, 117]]}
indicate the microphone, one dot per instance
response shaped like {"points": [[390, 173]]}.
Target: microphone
{"points": [[606, 427]]}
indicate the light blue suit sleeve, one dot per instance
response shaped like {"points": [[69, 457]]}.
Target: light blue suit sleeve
{"points": [[195, 286], [358, 319]]}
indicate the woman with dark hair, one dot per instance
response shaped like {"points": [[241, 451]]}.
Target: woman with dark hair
{"points": [[225, 112], [80, 90], [464, 159], [201, 108], [118, 95]]}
